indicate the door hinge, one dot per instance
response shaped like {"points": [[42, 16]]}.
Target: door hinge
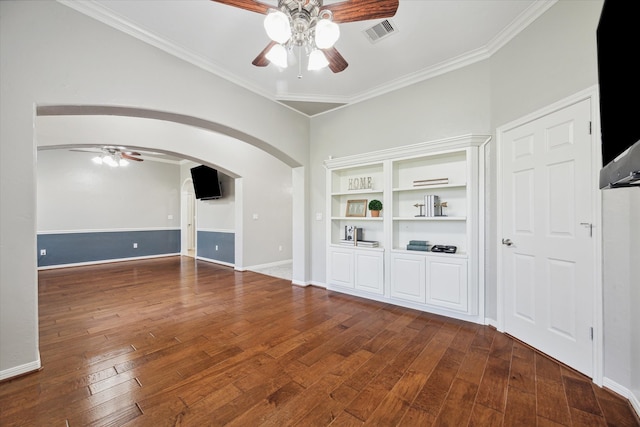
{"points": [[590, 129], [591, 332]]}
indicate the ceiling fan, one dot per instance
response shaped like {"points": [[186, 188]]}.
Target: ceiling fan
{"points": [[310, 26], [114, 156]]}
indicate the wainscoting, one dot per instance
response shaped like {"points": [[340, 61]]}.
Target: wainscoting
{"points": [[216, 246], [89, 247]]}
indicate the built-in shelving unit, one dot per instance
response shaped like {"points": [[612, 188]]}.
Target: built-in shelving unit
{"points": [[443, 283]]}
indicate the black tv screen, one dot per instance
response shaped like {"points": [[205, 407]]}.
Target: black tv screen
{"points": [[618, 78], [206, 183]]}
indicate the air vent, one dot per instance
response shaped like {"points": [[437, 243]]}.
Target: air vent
{"points": [[380, 31]]}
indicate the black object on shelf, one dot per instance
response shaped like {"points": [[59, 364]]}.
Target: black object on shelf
{"points": [[444, 248]]}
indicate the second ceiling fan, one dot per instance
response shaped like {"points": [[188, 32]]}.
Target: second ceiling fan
{"points": [[310, 26]]}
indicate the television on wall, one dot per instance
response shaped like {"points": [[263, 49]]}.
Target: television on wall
{"points": [[206, 183], [619, 90]]}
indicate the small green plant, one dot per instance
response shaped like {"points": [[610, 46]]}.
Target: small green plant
{"points": [[375, 205]]}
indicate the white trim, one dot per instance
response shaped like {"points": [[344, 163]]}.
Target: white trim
{"points": [[269, 265], [20, 370], [215, 261], [108, 17], [216, 230], [421, 148], [106, 261], [624, 392], [590, 94], [109, 230]]}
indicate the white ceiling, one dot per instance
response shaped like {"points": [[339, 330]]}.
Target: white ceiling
{"points": [[431, 37]]}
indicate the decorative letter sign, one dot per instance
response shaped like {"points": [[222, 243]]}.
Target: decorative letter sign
{"points": [[362, 183]]}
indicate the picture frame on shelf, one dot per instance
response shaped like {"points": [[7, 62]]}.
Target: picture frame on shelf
{"points": [[356, 208]]}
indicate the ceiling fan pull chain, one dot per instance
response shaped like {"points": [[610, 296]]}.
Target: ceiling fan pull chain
{"points": [[299, 62]]}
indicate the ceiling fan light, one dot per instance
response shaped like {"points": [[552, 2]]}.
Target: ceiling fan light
{"points": [[277, 26], [317, 60], [97, 160], [123, 162], [277, 55], [327, 33], [108, 160]]}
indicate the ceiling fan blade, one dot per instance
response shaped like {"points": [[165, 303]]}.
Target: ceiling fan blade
{"points": [[250, 5], [362, 10], [128, 157], [261, 60], [132, 153], [337, 62]]}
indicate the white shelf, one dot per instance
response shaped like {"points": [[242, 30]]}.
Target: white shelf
{"points": [[429, 218], [357, 218], [429, 187], [356, 192], [437, 282]]}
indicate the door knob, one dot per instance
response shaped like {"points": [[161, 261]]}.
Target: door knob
{"points": [[507, 242]]}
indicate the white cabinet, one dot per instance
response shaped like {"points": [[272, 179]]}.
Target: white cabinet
{"points": [[408, 277], [402, 178], [341, 270], [361, 269], [447, 283]]}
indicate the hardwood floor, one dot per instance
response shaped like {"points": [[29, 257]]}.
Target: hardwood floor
{"points": [[175, 341]]}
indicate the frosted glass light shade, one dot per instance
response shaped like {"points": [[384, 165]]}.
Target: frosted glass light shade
{"points": [[97, 160], [108, 160], [277, 55], [277, 26], [317, 60], [123, 162], [327, 33]]}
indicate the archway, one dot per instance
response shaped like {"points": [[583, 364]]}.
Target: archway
{"points": [[192, 139]]}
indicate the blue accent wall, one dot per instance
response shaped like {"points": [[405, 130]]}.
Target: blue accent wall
{"points": [[207, 241], [72, 248]]}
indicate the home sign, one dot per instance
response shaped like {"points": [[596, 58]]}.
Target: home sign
{"points": [[362, 183]]}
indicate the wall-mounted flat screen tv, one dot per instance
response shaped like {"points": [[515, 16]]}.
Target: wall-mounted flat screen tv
{"points": [[619, 87], [206, 183]]}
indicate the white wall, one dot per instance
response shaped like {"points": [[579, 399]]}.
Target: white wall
{"points": [[75, 194], [53, 55]]}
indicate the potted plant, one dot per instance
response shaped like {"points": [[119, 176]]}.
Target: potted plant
{"points": [[375, 206]]}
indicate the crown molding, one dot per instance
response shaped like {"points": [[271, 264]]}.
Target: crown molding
{"points": [[95, 10]]}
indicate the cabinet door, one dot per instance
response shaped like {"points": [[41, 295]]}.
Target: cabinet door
{"points": [[369, 272], [447, 283], [408, 277], [341, 267]]}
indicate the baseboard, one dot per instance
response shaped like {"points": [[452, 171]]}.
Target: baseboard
{"points": [[491, 322], [318, 284], [20, 370], [105, 261], [269, 265], [624, 392], [216, 261]]}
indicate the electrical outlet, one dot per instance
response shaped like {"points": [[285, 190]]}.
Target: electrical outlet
{"points": [[280, 248], [216, 247], [43, 252], [135, 246]]}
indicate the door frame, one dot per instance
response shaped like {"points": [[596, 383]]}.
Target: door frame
{"points": [[596, 208], [184, 229]]}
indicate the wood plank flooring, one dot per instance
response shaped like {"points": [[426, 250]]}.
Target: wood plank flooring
{"points": [[179, 342]]}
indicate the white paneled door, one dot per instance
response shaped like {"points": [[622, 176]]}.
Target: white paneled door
{"points": [[547, 248]]}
